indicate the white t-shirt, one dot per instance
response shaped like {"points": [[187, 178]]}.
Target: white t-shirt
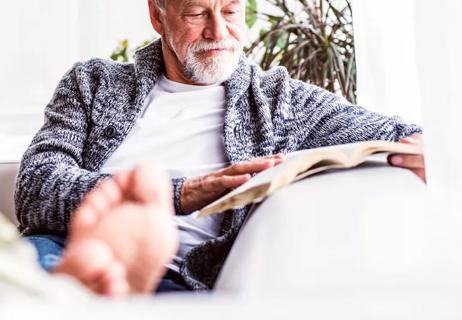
{"points": [[180, 130]]}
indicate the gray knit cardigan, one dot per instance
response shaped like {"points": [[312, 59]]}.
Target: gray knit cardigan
{"points": [[97, 103]]}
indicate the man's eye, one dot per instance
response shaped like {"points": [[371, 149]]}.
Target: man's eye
{"points": [[195, 15], [231, 12]]}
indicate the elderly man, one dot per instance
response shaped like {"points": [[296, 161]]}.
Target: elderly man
{"points": [[193, 104]]}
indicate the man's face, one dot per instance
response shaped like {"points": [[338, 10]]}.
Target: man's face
{"points": [[204, 37]]}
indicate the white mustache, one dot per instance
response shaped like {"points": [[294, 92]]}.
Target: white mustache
{"points": [[202, 45]]}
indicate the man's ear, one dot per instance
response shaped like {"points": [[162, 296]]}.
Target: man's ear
{"points": [[156, 17]]}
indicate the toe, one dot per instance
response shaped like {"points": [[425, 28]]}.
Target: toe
{"points": [[114, 282], [83, 220], [87, 261], [150, 184]]}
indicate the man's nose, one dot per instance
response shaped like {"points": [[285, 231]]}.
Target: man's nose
{"points": [[217, 28]]}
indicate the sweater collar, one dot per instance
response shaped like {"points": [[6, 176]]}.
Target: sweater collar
{"points": [[149, 66]]}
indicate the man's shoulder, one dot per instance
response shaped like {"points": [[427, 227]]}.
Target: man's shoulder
{"points": [[97, 68], [273, 75], [100, 76], [277, 86], [277, 75], [278, 78]]}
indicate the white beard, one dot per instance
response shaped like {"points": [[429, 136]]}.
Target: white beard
{"points": [[210, 70]]}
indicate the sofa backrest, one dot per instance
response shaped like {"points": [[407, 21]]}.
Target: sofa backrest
{"points": [[8, 172]]}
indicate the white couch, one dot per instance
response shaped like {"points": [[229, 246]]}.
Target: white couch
{"points": [[17, 127], [374, 246], [8, 172]]}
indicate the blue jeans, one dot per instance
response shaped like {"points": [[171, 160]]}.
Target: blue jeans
{"points": [[50, 249]]}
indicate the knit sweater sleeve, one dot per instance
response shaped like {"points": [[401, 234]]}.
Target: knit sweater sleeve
{"points": [[323, 119], [52, 178], [51, 181]]}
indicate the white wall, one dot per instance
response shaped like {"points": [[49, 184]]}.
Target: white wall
{"points": [[386, 57], [41, 39], [39, 42], [439, 47], [104, 22], [409, 63]]}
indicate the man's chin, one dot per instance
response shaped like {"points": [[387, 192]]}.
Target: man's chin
{"points": [[210, 79], [216, 69]]}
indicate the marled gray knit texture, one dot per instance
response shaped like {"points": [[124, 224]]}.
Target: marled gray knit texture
{"points": [[97, 103]]}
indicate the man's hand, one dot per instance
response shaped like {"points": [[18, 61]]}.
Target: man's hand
{"points": [[416, 163], [200, 191]]}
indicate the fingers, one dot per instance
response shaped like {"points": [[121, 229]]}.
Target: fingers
{"points": [[252, 166], [200, 191], [247, 167], [408, 140], [407, 161], [415, 163], [213, 186], [278, 156], [420, 173], [224, 183], [416, 139]]}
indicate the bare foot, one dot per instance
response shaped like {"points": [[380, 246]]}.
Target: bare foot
{"points": [[123, 234], [92, 262]]}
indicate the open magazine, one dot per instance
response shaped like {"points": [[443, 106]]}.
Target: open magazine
{"points": [[301, 164]]}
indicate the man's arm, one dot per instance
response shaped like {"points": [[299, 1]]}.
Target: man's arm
{"points": [[327, 119], [321, 118], [51, 181]]}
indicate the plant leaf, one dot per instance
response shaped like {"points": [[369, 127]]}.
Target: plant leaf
{"points": [[251, 13]]}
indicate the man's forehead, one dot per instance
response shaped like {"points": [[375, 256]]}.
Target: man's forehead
{"points": [[188, 3]]}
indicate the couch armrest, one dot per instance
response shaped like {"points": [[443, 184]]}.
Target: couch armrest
{"points": [[8, 172]]}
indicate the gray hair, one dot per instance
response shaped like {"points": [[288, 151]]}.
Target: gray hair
{"points": [[161, 4]]}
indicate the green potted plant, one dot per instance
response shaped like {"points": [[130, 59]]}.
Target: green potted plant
{"points": [[314, 40]]}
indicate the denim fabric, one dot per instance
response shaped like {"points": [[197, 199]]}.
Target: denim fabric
{"points": [[50, 249], [171, 282]]}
